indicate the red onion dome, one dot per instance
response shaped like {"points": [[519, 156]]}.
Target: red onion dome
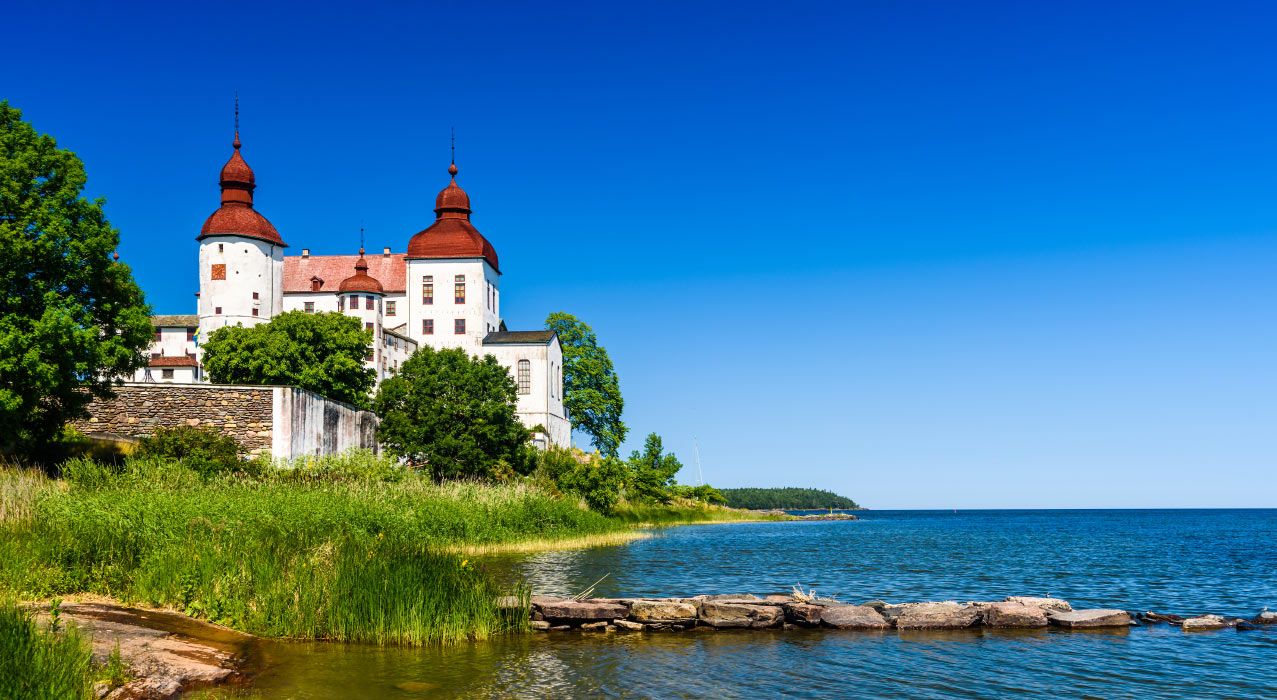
{"points": [[361, 281], [452, 235], [236, 216]]}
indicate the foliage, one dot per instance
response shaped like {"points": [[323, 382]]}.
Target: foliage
{"points": [[73, 320], [203, 449], [453, 415], [41, 663], [786, 498], [597, 480], [703, 493], [116, 673], [323, 353], [652, 473], [591, 389]]}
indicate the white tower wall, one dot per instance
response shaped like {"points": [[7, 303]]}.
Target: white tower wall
{"points": [[232, 270]]}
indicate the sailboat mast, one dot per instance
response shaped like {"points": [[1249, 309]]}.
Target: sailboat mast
{"points": [[697, 446]]}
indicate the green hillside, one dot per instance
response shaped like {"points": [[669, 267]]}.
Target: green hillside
{"points": [[786, 498]]}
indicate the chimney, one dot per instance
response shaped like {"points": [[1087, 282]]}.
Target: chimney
{"points": [[305, 252], [385, 252]]}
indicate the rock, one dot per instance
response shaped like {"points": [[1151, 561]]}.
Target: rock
{"points": [[778, 599], [539, 600], [853, 617], [661, 611], [730, 596], [875, 604], [101, 688], [1012, 614], [600, 625], [717, 614], [1049, 604], [892, 612], [582, 611], [1264, 618], [560, 628], [938, 616], [804, 614], [1204, 622], [540, 625], [1084, 619], [1152, 617], [628, 626]]}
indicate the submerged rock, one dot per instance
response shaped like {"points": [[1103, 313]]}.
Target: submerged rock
{"points": [[1204, 622], [718, 614], [1264, 618], [540, 625], [1013, 614], [938, 616], [628, 626], [1093, 618], [662, 611], [853, 617], [1153, 618]]}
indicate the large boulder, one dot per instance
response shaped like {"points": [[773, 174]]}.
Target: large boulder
{"points": [[1264, 618], [582, 611], [853, 617], [718, 614], [1093, 618], [662, 611], [803, 614], [891, 612], [937, 616], [1012, 614], [1204, 622], [1048, 604]]}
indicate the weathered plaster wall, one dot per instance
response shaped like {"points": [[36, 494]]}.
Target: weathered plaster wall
{"points": [[281, 421]]}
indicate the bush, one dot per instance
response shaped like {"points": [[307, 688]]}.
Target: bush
{"points": [[597, 480], [204, 450]]}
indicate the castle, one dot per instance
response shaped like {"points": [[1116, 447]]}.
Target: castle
{"points": [[445, 292]]}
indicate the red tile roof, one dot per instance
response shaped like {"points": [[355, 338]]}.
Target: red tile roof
{"points": [[236, 215], [452, 235], [390, 270], [173, 362], [361, 281]]}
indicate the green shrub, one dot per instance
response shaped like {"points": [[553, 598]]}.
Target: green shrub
{"points": [[205, 450], [40, 664], [597, 480]]}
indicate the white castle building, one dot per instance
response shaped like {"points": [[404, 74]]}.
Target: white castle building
{"points": [[445, 292]]}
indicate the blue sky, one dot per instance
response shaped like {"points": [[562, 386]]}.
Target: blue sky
{"points": [[924, 254]]}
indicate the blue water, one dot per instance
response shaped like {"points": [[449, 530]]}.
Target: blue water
{"points": [[1180, 561]]}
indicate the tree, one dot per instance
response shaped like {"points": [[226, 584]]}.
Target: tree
{"points": [[72, 320], [652, 473], [323, 353], [591, 390], [453, 414]]}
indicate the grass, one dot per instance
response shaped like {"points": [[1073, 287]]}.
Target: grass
{"points": [[347, 548], [684, 513], [39, 663]]}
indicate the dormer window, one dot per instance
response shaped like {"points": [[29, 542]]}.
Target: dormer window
{"points": [[315, 284]]}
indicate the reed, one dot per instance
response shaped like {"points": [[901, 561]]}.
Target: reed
{"points": [[39, 663]]}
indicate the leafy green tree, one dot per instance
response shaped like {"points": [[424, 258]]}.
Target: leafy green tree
{"points": [[591, 390], [323, 353], [453, 414], [651, 472], [72, 321], [596, 479]]}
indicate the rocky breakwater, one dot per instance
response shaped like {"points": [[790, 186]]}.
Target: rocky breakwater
{"points": [[748, 611]]}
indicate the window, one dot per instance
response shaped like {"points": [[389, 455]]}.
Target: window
{"points": [[157, 335], [156, 355], [354, 302], [369, 301], [310, 307], [341, 303], [219, 247], [459, 290], [219, 271], [217, 311], [166, 373], [390, 308], [315, 284], [428, 289], [427, 326], [254, 311], [525, 377], [459, 326], [190, 334], [368, 325], [256, 296], [551, 380]]}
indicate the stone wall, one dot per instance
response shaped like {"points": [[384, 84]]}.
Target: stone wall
{"points": [[275, 420]]}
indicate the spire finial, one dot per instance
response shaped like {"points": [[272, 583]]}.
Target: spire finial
{"points": [[361, 238], [236, 144], [454, 145]]}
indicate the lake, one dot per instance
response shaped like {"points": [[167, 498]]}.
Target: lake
{"points": [[1170, 561]]}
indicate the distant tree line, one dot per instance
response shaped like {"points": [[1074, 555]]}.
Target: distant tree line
{"points": [[786, 498]]}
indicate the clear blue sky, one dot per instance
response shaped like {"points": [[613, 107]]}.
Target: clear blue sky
{"points": [[923, 254]]}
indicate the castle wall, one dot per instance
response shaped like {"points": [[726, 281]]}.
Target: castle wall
{"points": [[280, 421]]}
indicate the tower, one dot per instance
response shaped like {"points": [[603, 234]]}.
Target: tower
{"points": [[241, 260], [362, 297]]}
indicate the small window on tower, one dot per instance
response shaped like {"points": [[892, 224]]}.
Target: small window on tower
{"points": [[254, 311], [459, 326], [368, 325], [459, 290], [190, 334], [219, 271], [390, 308], [157, 335], [428, 289], [256, 296], [354, 302], [525, 377], [427, 326], [219, 247], [368, 302], [310, 307], [217, 310]]}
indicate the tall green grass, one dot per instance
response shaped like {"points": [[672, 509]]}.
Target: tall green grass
{"points": [[37, 663]]}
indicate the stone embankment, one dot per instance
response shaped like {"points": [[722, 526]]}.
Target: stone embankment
{"points": [[747, 611]]}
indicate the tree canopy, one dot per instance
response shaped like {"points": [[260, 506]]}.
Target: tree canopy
{"points": [[454, 415], [323, 353], [72, 320], [591, 389], [652, 473], [786, 498]]}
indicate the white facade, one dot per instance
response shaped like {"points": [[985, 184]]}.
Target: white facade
{"points": [[434, 319], [241, 282]]}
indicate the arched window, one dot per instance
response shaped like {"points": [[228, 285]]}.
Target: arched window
{"points": [[525, 377]]}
